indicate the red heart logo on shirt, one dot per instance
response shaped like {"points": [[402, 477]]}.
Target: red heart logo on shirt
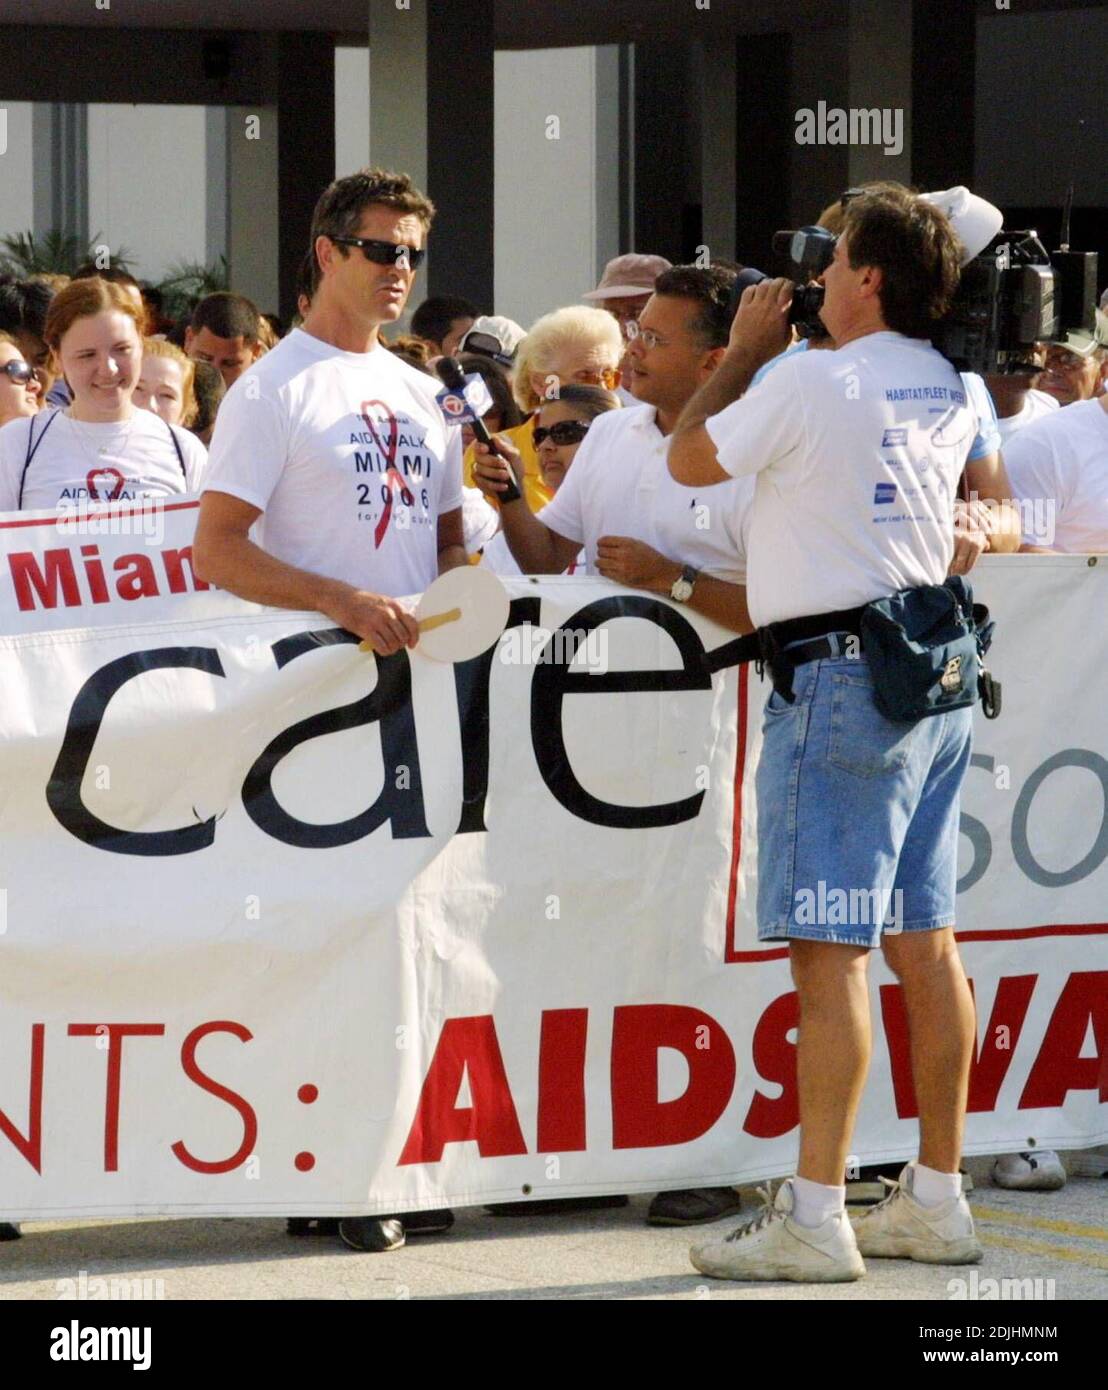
{"points": [[104, 484]]}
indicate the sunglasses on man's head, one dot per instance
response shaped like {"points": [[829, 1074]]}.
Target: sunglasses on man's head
{"points": [[385, 252], [564, 432], [19, 371], [485, 345]]}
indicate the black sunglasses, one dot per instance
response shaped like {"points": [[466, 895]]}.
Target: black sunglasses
{"points": [[384, 252], [564, 432], [19, 371]]}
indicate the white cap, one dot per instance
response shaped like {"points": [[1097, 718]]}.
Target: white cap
{"points": [[974, 220], [506, 331]]}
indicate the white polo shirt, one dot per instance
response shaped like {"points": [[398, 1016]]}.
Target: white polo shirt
{"points": [[347, 456], [1037, 406], [857, 454], [1058, 468], [619, 485]]}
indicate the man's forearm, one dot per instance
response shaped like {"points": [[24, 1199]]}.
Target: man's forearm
{"points": [[452, 557], [723, 602], [728, 382], [534, 546], [236, 564]]}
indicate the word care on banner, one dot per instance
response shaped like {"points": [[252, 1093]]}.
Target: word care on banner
{"points": [[290, 929]]}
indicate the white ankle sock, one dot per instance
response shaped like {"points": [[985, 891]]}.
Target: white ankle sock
{"points": [[815, 1202], [931, 1188]]}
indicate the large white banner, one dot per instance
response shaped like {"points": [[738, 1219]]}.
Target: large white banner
{"points": [[291, 930]]}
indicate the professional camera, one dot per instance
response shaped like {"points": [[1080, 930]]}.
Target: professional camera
{"points": [[1013, 295], [810, 250]]}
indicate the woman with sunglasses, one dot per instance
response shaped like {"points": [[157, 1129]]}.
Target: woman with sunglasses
{"points": [[575, 346], [99, 448], [20, 392], [559, 428]]}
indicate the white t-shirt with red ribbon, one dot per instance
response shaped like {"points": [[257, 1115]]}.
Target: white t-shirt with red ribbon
{"points": [[75, 463], [348, 458]]}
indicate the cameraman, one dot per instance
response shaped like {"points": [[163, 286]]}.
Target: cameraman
{"points": [[857, 453]]}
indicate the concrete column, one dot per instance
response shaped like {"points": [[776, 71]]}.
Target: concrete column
{"points": [[252, 219], [431, 116], [944, 56], [718, 137], [880, 42], [217, 183], [60, 136]]}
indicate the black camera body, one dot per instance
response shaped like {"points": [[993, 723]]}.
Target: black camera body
{"points": [[1012, 296], [809, 251]]}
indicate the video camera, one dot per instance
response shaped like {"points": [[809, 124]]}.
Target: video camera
{"points": [[1010, 297]]}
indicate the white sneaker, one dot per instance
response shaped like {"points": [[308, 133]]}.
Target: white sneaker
{"points": [[772, 1246], [1036, 1170], [1088, 1163], [902, 1228]]}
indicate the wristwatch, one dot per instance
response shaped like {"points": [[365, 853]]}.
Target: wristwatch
{"points": [[682, 589]]}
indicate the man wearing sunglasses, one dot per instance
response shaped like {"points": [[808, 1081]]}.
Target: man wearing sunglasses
{"points": [[334, 483]]}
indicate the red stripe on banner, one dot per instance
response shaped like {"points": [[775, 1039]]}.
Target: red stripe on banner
{"points": [[1018, 933], [729, 952], [71, 517]]}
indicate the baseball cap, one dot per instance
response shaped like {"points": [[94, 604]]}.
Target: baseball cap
{"points": [[974, 220], [626, 276], [1084, 341], [505, 332]]}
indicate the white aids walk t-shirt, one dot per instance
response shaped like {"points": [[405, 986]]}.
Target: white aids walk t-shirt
{"points": [[347, 456], [1058, 468], [75, 463], [619, 485], [857, 454]]}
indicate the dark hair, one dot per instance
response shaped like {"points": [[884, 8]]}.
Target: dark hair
{"points": [[591, 401], [710, 287], [916, 249], [500, 388], [227, 315], [24, 305], [115, 274], [209, 390], [276, 324], [434, 316], [343, 202]]}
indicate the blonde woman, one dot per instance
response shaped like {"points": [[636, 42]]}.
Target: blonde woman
{"points": [[166, 383], [576, 346]]}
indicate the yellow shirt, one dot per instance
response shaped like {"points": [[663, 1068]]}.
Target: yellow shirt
{"points": [[534, 489]]}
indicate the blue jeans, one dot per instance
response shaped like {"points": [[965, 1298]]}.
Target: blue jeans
{"points": [[857, 814]]}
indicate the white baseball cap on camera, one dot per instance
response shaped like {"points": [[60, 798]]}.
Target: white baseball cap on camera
{"points": [[974, 220]]}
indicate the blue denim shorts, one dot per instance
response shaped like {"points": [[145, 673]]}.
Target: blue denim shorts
{"points": [[857, 814]]}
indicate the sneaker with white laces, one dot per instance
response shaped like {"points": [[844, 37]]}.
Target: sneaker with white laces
{"points": [[901, 1228], [773, 1246], [1034, 1170]]}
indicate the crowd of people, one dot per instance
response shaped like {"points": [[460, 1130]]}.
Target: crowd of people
{"points": [[101, 399]]}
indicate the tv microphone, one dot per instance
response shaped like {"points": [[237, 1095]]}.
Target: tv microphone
{"points": [[450, 373]]}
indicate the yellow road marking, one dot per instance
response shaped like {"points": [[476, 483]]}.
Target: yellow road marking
{"points": [[1038, 1223], [1053, 1252]]}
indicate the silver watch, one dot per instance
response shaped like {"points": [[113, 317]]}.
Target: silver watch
{"points": [[682, 589]]}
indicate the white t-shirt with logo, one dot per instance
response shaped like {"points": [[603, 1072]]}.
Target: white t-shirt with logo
{"points": [[77, 463], [1058, 468], [619, 485], [348, 458], [857, 454], [1037, 405]]}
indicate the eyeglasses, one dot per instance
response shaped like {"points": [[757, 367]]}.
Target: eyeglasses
{"points": [[19, 371], [1062, 360], [487, 346], [384, 252], [650, 339], [564, 432]]}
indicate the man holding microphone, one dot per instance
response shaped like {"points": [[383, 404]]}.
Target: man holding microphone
{"points": [[857, 454]]}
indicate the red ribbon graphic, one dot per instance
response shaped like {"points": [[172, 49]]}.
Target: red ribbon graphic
{"points": [[391, 476]]}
